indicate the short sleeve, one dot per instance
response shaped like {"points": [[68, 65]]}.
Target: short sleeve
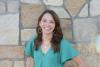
{"points": [[29, 47], [67, 51]]}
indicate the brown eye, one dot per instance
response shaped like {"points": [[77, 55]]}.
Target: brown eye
{"points": [[44, 20], [51, 22]]}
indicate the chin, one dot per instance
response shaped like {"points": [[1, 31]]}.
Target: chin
{"points": [[46, 32]]}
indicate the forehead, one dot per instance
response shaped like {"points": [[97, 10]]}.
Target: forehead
{"points": [[47, 16]]}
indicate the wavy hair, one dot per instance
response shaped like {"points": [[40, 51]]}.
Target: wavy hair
{"points": [[57, 32]]}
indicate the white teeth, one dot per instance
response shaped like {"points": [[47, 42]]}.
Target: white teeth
{"points": [[46, 28]]}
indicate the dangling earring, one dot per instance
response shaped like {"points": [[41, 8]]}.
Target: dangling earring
{"points": [[39, 30]]}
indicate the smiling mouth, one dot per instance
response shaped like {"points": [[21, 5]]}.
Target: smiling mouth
{"points": [[46, 28]]}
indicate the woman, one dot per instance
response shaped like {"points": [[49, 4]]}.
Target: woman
{"points": [[48, 48]]}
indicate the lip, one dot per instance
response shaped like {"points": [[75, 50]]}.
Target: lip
{"points": [[46, 28]]}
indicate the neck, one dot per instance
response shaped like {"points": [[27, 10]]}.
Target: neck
{"points": [[47, 37]]}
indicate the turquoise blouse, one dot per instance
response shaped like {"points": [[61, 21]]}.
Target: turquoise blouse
{"points": [[50, 59]]}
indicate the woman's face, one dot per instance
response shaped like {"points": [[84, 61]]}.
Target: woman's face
{"points": [[47, 24]]}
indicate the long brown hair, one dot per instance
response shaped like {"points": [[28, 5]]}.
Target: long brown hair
{"points": [[57, 32]]}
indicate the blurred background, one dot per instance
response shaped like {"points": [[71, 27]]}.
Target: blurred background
{"points": [[80, 22]]}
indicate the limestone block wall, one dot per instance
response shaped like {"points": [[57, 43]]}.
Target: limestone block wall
{"points": [[80, 22]]}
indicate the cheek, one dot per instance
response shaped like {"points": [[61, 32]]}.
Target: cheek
{"points": [[41, 25], [53, 26]]}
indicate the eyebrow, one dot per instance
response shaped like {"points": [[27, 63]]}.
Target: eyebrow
{"points": [[49, 20]]}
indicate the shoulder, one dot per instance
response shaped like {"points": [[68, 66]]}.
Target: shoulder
{"points": [[65, 42], [30, 42], [32, 38]]}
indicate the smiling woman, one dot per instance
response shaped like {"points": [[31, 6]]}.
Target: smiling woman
{"points": [[48, 48]]}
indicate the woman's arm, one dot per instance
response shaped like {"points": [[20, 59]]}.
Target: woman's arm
{"points": [[79, 61], [29, 62]]}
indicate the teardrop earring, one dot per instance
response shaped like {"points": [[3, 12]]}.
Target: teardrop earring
{"points": [[39, 30]]}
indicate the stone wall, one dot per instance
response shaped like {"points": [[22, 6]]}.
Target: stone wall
{"points": [[80, 22]]}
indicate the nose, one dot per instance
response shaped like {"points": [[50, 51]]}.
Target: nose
{"points": [[47, 23]]}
